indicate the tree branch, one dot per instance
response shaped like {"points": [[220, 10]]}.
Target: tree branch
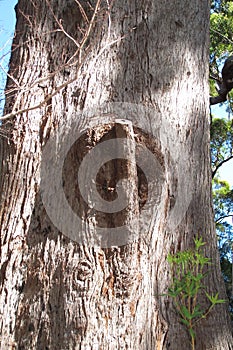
{"points": [[80, 46], [49, 96], [218, 99], [223, 36], [220, 164], [223, 217]]}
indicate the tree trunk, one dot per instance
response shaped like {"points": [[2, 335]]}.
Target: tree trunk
{"points": [[105, 171]]}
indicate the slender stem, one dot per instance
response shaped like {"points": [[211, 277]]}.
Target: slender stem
{"points": [[193, 343]]}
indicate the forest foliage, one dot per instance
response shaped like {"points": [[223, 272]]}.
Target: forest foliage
{"points": [[221, 47]]}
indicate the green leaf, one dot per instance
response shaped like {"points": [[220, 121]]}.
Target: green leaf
{"points": [[214, 299], [186, 312], [199, 243], [192, 333], [197, 312], [185, 322]]}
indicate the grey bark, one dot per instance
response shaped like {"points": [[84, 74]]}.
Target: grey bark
{"points": [[60, 293]]}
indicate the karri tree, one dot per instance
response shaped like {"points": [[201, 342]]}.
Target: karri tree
{"points": [[105, 172]]}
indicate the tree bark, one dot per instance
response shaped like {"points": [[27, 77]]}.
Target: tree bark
{"points": [[78, 271]]}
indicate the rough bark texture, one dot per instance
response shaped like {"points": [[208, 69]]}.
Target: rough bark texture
{"points": [[55, 292]]}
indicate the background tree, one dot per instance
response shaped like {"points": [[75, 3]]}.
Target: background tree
{"points": [[118, 76], [221, 29], [221, 135]]}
